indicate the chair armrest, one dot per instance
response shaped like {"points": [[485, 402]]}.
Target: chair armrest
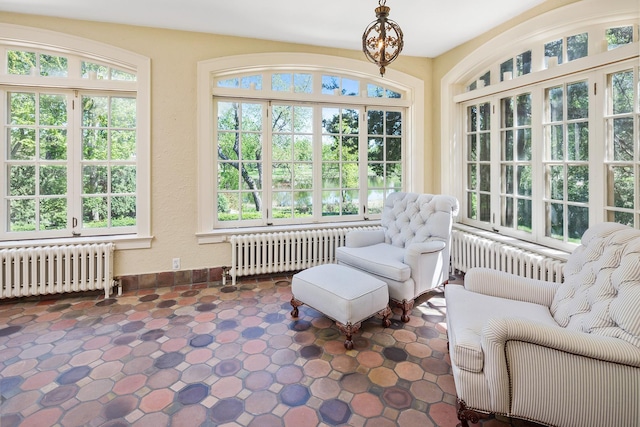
{"points": [[498, 331], [360, 238], [505, 285], [416, 249], [426, 263], [525, 360]]}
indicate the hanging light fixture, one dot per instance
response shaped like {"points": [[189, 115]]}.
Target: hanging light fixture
{"points": [[382, 40]]}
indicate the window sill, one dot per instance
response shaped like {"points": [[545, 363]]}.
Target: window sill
{"points": [[122, 242], [223, 234], [512, 241]]}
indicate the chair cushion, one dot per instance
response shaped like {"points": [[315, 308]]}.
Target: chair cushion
{"points": [[601, 291], [381, 259], [416, 218], [468, 312]]}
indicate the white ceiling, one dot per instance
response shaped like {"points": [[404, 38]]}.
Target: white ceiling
{"points": [[430, 27]]}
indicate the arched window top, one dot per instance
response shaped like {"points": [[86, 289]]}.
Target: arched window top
{"points": [[32, 56], [563, 40], [307, 77], [306, 84]]}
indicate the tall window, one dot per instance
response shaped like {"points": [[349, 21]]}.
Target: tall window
{"points": [[566, 162], [569, 144], [622, 158], [72, 156], [308, 148]]}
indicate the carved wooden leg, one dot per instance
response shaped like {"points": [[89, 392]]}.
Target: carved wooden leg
{"points": [[406, 306], [348, 330], [465, 414], [295, 304], [385, 313]]}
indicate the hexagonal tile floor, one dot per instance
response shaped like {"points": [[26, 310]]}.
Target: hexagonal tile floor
{"points": [[219, 356]]}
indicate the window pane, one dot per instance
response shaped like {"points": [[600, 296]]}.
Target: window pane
{"points": [[555, 96], [577, 101], [554, 50], [556, 142], [555, 220], [22, 144], [303, 83], [94, 179], [578, 222], [94, 144], [507, 179], [485, 178], [228, 207], [22, 108], [577, 46], [281, 82], [53, 110], [22, 215], [484, 117], [622, 92], [507, 212], [95, 111], [53, 66], [350, 87], [20, 62], [524, 144], [123, 211], [485, 207], [123, 112], [556, 181], [53, 144], [123, 179], [623, 139], [506, 69], [578, 141], [621, 181], [524, 215], [95, 212], [53, 180], [303, 204], [523, 63], [53, 214], [524, 109], [22, 180], [123, 145], [619, 36], [577, 183], [524, 180]]}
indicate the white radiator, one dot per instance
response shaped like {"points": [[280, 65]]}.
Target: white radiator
{"points": [[45, 270], [266, 253], [469, 250]]}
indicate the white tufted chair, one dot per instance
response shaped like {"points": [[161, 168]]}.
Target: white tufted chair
{"points": [[411, 251], [559, 354]]}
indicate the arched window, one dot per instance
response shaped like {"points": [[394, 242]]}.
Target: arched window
{"points": [[293, 140], [75, 138], [546, 131]]}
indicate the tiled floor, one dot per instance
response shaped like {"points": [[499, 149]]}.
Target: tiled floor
{"points": [[219, 356]]}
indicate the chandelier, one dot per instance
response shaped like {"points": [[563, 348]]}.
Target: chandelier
{"points": [[382, 40]]}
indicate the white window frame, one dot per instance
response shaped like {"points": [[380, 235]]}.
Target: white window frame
{"points": [[413, 121], [572, 19], [76, 48]]}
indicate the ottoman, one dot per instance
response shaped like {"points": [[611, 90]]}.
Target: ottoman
{"points": [[343, 294]]}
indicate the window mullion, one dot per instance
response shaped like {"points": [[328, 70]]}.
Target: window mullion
{"points": [[496, 152], [74, 162], [267, 164]]}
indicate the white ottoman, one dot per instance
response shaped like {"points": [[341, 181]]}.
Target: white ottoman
{"points": [[345, 295]]}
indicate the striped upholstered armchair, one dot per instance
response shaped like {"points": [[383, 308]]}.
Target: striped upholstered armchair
{"points": [[559, 354]]}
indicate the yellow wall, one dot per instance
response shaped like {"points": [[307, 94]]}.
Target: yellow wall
{"points": [[174, 55]]}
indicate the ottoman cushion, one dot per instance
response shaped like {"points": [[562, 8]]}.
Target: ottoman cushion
{"points": [[341, 293]]}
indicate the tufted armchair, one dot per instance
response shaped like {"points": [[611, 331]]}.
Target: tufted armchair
{"points": [[411, 251], [559, 354]]}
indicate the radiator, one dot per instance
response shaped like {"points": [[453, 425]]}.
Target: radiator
{"points": [[469, 250], [46, 270], [266, 253]]}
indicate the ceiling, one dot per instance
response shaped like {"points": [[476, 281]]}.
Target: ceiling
{"points": [[430, 27]]}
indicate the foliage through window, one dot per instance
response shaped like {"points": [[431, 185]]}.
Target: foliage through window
{"points": [[569, 146], [296, 161], [70, 155]]}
